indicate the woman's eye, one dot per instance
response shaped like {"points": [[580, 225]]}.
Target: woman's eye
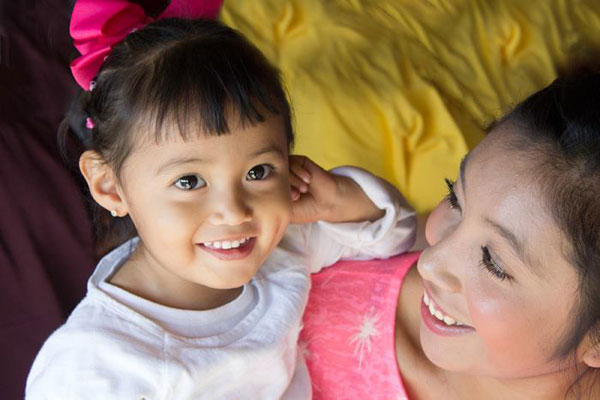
{"points": [[189, 182], [492, 266], [451, 196], [259, 172]]}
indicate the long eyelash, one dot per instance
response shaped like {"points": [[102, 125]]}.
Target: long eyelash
{"points": [[491, 266], [451, 196]]}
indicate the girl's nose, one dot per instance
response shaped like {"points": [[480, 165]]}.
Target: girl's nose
{"points": [[231, 209]]}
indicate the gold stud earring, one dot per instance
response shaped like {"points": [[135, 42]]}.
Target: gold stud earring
{"points": [[113, 213]]}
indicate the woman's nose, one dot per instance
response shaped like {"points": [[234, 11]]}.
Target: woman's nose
{"points": [[440, 223], [231, 209], [440, 271], [441, 264]]}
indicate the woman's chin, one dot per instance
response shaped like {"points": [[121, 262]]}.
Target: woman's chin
{"points": [[442, 355]]}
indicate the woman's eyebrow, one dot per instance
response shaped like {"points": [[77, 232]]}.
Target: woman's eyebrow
{"points": [[504, 232], [518, 245], [510, 237], [463, 166]]}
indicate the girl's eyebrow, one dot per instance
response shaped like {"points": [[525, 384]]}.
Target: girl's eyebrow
{"points": [[269, 149], [184, 160], [177, 161]]}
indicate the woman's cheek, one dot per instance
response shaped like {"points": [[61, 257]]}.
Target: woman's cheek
{"points": [[497, 323], [440, 223]]}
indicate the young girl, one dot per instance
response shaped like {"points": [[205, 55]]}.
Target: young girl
{"points": [[188, 131], [505, 303]]}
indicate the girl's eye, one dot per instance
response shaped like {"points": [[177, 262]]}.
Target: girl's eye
{"points": [[259, 172], [451, 196], [189, 182], [492, 266]]}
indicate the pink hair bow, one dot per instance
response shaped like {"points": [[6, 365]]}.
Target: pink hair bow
{"points": [[98, 25]]}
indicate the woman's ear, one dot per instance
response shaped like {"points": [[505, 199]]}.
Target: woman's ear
{"points": [[590, 352], [102, 183]]}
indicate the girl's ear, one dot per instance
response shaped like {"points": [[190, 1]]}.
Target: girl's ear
{"points": [[102, 183]]}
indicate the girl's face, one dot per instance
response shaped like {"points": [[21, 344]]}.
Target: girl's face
{"points": [[209, 210], [497, 265]]}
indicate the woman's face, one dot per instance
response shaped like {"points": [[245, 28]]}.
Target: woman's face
{"points": [[496, 276]]}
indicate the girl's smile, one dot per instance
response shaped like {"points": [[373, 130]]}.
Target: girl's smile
{"points": [[209, 209], [237, 249]]}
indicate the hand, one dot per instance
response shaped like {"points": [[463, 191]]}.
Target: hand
{"points": [[313, 188], [319, 195]]}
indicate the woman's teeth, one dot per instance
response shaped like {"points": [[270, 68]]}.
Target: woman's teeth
{"points": [[438, 314], [226, 244]]}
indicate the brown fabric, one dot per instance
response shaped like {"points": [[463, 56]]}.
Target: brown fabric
{"points": [[46, 241]]}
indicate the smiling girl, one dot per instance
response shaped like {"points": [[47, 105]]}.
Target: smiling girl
{"points": [[505, 301], [188, 134]]}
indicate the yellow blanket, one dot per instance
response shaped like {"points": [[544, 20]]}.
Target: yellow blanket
{"points": [[405, 88]]}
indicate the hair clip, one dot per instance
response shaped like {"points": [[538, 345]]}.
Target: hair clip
{"points": [[92, 85], [89, 123], [97, 26]]}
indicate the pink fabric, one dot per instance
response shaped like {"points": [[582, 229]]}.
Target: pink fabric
{"points": [[348, 334], [98, 25]]}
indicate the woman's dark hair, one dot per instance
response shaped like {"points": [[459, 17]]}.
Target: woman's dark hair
{"points": [[192, 77], [562, 122]]}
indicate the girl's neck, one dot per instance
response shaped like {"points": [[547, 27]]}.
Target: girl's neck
{"points": [[424, 380], [141, 277]]}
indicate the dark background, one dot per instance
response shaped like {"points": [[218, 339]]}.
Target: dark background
{"points": [[47, 249]]}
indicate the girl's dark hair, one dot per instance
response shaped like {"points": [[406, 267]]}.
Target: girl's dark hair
{"points": [[191, 77], [562, 122]]}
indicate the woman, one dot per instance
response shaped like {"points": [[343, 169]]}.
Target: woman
{"points": [[505, 303]]}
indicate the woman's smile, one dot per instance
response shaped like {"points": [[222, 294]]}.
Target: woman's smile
{"points": [[439, 322]]}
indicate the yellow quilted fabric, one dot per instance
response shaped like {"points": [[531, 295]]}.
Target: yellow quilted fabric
{"points": [[405, 88]]}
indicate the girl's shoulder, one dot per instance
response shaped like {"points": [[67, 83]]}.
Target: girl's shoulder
{"points": [[90, 352], [97, 327]]}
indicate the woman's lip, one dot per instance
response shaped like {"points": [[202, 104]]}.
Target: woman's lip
{"points": [[439, 327], [237, 253]]}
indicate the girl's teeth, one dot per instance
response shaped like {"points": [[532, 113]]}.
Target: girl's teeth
{"points": [[226, 244]]}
